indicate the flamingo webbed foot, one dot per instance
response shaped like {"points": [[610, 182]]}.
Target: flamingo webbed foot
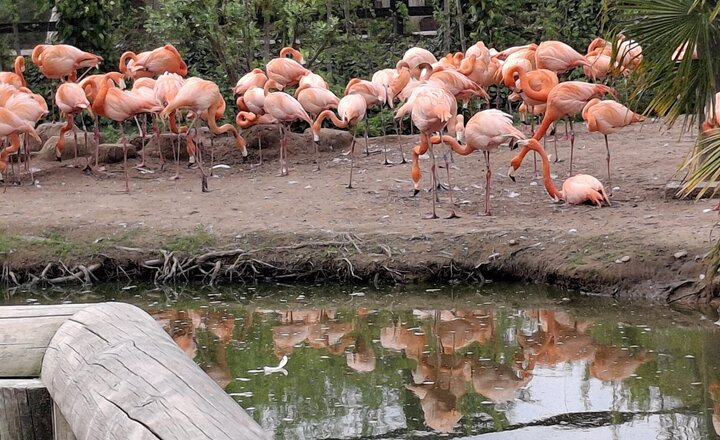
{"points": [[452, 215], [417, 191]]}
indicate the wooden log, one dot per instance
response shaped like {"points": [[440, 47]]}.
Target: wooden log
{"points": [[25, 332], [115, 374], [25, 410]]}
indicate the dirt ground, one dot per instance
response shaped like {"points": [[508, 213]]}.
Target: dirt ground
{"points": [[645, 245]]}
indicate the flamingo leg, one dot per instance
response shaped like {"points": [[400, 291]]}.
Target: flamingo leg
{"points": [[212, 154], [96, 132], [352, 159], [453, 214], [156, 131], [142, 140], [557, 158], [607, 148], [488, 175], [176, 155], [125, 148], [382, 123], [27, 159], [433, 178], [572, 148], [367, 148], [74, 129], [200, 147]]}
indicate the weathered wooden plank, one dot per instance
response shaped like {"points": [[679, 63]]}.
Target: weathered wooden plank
{"points": [[25, 332], [61, 428], [25, 410], [115, 374]]}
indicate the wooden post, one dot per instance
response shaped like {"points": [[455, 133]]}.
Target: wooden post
{"points": [[25, 410], [115, 374]]}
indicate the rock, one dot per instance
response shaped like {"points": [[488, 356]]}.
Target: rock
{"points": [[113, 153], [680, 254], [625, 259], [48, 150], [168, 142], [512, 242], [45, 131]]}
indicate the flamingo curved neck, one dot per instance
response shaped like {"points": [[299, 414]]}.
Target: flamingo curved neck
{"points": [[534, 145], [122, 67]]}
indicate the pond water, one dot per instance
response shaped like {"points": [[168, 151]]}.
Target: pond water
{"points": [[497, 362]]}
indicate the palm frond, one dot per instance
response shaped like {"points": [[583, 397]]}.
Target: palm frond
{"points": [[704, 166], [681, 86]]}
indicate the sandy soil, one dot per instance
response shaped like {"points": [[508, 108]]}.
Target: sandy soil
{"points": [[528, 236]]}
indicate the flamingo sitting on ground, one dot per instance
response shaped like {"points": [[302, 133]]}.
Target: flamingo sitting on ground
{"points": [[608, 117], [71, 100], [285, 109], [576, 190], [485, 132], [15, 78], [565, 99], [152, 63], [62, 61], [351, 110]]}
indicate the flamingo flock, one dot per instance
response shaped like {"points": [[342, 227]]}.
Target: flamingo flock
{"points": [[435, 93]]}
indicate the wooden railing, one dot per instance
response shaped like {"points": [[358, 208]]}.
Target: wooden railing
{"points": [[106, 371]]}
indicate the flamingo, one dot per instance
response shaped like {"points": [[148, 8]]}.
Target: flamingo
{"points": [[247, 119], [29, 107], [119, 105], [285, 109], [431, 109], [565, 99], [152, 63], [11, 125], [15, 78], [608, 117], [312, 80], [203, 97], [558, 57], [576, 190], [383, 80], [285, 71], [166, 88], [351, 110], [91, 91], [62, 61], [713, 120], [600, 64], [418, 55], [485, 132], [144, 88], [254, 78], [370, 92], [71, 100]]}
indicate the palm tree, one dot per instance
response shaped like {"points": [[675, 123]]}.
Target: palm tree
{"points": [[680, 87]]}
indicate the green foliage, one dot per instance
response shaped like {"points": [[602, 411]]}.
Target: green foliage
{"points": [[191, 243], [89, 24]]}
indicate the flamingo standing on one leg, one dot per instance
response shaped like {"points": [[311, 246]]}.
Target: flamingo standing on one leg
{"points": [[608, 117], [15, 78], [91, 92], [71, 100], [576, 190], [485, 132], [316, 100], [565, 99], [285, 109], [203, 97], [351, 110]]}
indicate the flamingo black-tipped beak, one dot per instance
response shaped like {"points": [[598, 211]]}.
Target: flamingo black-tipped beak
{"points": [[512, 177], [415, 192], [513, 144]]}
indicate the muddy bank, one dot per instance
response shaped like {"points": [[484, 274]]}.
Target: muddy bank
{"points": [[254, 226], [651, 273]]}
